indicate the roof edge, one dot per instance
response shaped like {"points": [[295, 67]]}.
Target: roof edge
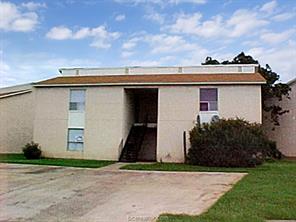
{"points": [[15, 93], [149, 84], [292, 81], [122, 67]]}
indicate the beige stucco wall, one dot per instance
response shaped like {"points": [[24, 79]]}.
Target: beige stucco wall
{"points": [[16, 122], [177, 110], [179, 106], [285, 134], [103, 122], [108, 118], [104, 118], [51, 121], [240, 101], [128, 115]]}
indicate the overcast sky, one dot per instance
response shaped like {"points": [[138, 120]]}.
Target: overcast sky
{"points": [[38, 37]]}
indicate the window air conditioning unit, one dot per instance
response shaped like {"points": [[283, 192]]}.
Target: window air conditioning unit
{"points": [[209, 116], [215, 118]]}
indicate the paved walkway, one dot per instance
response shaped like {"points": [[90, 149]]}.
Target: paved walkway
{"points": [[43, 193], [116, 166]]}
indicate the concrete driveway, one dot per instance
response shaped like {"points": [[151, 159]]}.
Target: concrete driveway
{"points": [[43, 193]]}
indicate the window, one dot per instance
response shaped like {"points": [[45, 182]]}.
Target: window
{"points": [[208, 99], [75, 139], [77, 100]]}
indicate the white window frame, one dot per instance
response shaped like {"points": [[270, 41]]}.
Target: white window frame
{"points": [[77, 89], [68, 140], [208, 102]]}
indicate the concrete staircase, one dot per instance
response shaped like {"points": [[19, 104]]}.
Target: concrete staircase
{"points": [[133, 144]]}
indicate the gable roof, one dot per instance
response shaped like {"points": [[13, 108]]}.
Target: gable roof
{"points": [[155, 79]]}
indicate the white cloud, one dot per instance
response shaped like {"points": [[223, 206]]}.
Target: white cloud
{"points": [[274, 38], [212, 27], [32, 6], [172, 49], [283, 16], [186, 23], [269, 7], [4, 73], [163, 43], [160, 43], [131, 43], [101, 38], [155, 17], [144, 63], [13, 19], [242, 22], [25, 68], [126, 54], [81, 33], [280, 59], [251, 43], [120, 18], [188, 1], [165, 60], [195, 57], [161, 2], [255, 52], [59, 33]]}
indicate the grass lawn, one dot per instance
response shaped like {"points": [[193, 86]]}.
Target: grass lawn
{"points": [[267, 192], [180, 167], [19, 158]]}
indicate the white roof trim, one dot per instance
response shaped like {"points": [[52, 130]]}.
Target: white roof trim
{"points": [[16, 88], [219, 65], [151, 83], [15, 94], [144, 70], [291, 81]]}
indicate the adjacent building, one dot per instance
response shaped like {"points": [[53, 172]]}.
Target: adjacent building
{"points": [[16, 117], [285, 133]]}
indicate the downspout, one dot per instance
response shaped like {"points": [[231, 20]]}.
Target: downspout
{"points": [[184, 147]]}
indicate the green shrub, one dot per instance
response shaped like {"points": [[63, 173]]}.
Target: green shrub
{"points": [[230, 143], [32, 151], [273, 152]]}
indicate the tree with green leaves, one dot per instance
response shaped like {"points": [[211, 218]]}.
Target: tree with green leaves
{"points": [[272, 90]]}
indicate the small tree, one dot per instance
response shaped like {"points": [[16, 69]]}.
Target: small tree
{"points": [[270, 90]]}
